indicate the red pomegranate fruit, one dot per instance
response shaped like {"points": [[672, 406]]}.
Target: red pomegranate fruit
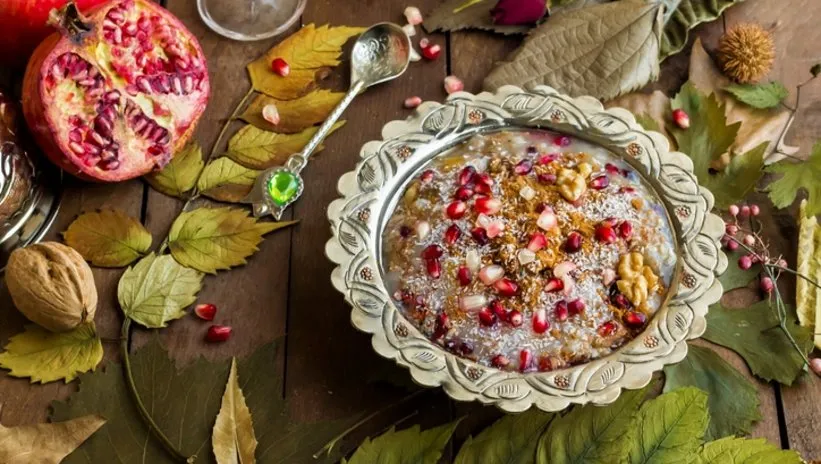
{"points": [[114, 95]]}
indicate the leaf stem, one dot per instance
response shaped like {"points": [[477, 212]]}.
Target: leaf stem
{"points": [[135, 396]]}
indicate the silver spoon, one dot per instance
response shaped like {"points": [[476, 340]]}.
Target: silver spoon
{"points": [[380, 54]]}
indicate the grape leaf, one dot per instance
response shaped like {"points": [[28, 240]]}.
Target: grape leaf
{"points": [[45, 443], [233, 437], [295, 115], [760, 96], [211, 239], [754, 334], [255, 148], [47, 356], [225, 180], [797, 176], [592, 434], [738, 179], [604, 51], [306, 52], [652, 111], [180, 175], [511, 439], [409, 446], [157, 290], [683, 15], [670, 428], [735, 277], [455, 15], [731, 399], [733, 450], [108, 238]]}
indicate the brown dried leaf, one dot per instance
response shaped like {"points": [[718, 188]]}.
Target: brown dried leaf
{"points": [[45, 443], [233, 437], [295, 115], [454, 15], [258, 149], [108, 238], [225, 180]]}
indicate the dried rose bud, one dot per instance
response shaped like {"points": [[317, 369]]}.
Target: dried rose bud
{"points": [[515, 12]]}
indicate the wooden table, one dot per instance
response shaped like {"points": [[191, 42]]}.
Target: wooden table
{"points": [[285, 289]]}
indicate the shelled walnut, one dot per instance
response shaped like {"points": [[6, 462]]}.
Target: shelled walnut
{"points": [[636, 280]]}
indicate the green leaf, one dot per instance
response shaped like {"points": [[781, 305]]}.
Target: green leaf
{"points": [[225, 180], [511, 439], [683, 15], [157, 290], [731, 399], [409, 446], [180, 175], [738, 179], [592, 434], [735, 277], [732, 450], [46, 356], [797, 176], [604, 51], [255, 148], [760, 96], [455, 15], [211, 239], [670, 428], [648, 123], [108, 238], [754, 334]]}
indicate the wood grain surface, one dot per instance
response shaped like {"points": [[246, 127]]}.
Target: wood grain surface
{"points": [[330, 369]]}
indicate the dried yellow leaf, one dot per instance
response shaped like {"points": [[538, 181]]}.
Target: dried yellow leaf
{"points": [[225, 180], [258, 149], [180, 175], [45, 443], [306, 51], [295, 115], [233, 436], [108, 238], [808, 296]]}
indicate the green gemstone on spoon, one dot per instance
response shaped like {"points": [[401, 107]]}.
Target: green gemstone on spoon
{"points": [[282, 187]]}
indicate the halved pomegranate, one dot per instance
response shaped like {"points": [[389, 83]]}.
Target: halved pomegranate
{"points": [[114, 95]]}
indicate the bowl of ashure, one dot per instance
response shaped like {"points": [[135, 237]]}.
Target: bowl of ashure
{"points": [[526, 248]]}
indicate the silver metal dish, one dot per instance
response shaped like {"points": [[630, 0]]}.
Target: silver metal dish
{"points": [[369, 195]]}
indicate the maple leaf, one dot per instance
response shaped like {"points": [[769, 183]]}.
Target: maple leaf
{"points": [[795, 177], [306, 52], [180, 175], [108, 238], [45, 443], [295, 115]]}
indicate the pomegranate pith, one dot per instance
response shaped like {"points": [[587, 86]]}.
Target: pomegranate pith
{"points": [[119, 98]]}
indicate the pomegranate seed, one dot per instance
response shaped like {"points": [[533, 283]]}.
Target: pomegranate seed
{"points": [[431, 53], [490, 274], [280, 67], [576, 306], [463, 193], [515, 318], [482, 178], [625, 230], [441, 326], [745, 262], [466, 175], [452, 83], [499, 361], [573, 242], [554, 284], [405, 231], [600, 182], [463, 274], [547, 219], [487, 205], [434, 268], [607, 329], [218, 333], [562, 141], [626, 190], [452, 234], [537, 242], [546, 178], [611, 168], [427, 176], [605, 233], [681, 118], [472, 302], [506, 287], [480, 235], [523, 167], [456, 209], [540, 322], [205, 311], [494, 228], [634, 319], [499, 310], [547, 159], [560, 311], [766, 285], [621, 301], [413, 15], [270, 113], [412, 102], [525, 358], [432, 252], [486, 317]]}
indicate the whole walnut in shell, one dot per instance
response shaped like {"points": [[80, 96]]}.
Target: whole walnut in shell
{"points": [[52, 285]]}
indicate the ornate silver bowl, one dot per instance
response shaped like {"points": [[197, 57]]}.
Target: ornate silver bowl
{"points": [[369, 195]]}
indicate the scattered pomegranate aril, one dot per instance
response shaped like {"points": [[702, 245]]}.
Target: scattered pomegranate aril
{"points": [[547, 158], [562, 140], [540, 322], [466, 175], [605, 234], [452, 234], [554, 284], [525, 359], [412, 102], [463, 193], [480, 235], [560, 311], [218, 333], [452, 83], [506, 287], [573, 243], [499, 310], [620, 301], [499, 361], [205, 311], [413, 15], [490, 274], [472, 302], [537, 242], [432, 252], [487, 205], [547, 219], [441, 326], [681, 118], [486, 317], [607, 329], [432, 52], [611, 168], [464, 276], [634, 319], [456, 209], [280, 67], [434, 268], [546, 178], [600, 182], [576, 306], [271, 114], [515, 318], [625, 230], [523, 167]]}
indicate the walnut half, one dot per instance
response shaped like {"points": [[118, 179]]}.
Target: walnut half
{"points": [[636, 280]]}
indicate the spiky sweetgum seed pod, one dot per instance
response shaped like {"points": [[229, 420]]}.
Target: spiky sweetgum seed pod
{"points": [[746, 53]]}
